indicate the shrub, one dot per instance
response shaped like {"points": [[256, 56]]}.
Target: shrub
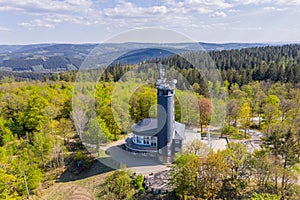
{"points": [[138, 181], [229, 130]]}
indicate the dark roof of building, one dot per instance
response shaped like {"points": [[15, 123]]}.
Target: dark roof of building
{"points": [[148, 127], [145, 127]]}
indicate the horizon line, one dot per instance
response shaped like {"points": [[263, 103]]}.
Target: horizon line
{"points": [[150, 42]]}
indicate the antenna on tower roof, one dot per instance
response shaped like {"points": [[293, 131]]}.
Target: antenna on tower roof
{"points": [[162, 74]]}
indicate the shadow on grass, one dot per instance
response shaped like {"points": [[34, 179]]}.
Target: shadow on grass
{"points": [[113, 158], [96, 168]]}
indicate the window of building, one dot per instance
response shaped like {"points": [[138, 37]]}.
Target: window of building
{"points": [[146, 140], [154, 141], [134, 137], [139, 140], [177, 141]]}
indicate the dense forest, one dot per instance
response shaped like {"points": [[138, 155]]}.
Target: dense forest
{"points": [[241, 66], [271, 63], [38, 138], [277, 63]]}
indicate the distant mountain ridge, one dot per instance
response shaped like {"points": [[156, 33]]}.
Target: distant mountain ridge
{"points": [[49, 58]]}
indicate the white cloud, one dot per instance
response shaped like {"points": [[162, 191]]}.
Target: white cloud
{"points": [[217, 4], [215, 26], [51, 21], [273, 2], [272, 8], [288, 2], [9, 8], [49, 13], [159, 9], [269, 8], [218, 14], [170, 13], [191, 7], [204, 10], [234, 11], [127, 14], [228, 27], [206, 26], [247, 2], [37, 23], [4, 29], [52, 6], [246, 28], [128, 9]]}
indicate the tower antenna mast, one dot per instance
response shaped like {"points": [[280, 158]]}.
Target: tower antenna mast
{"points": [[162, 73]]}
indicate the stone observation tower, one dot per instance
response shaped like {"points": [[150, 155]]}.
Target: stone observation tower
{"points": [[161, 136], [165, 115]]}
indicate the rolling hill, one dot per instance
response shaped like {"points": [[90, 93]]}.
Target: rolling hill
{"points": [[51, 58]]}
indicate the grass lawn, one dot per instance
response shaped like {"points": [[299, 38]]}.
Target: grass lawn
{"points": [[87, 185], [234, 136], [239, 136], [212, 134]]}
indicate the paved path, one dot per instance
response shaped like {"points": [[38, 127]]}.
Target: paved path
{"points": [[144, 165], [216, 143], [141, 165]]}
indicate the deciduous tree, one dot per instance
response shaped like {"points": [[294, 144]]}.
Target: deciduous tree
{"points": [[205, 111]]}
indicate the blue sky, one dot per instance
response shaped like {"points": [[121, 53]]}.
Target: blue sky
{"points": [[90, 21]]}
